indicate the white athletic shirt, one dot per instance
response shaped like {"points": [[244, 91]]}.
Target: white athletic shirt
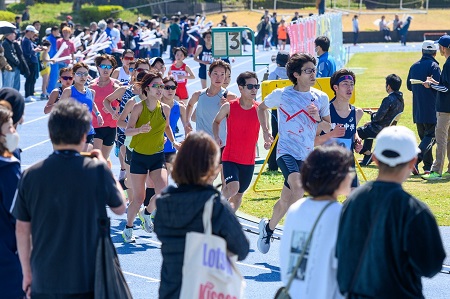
{"points": [[296, 128], [317, 274], [123, 77]]}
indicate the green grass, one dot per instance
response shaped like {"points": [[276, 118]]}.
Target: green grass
{"points": [[370, 90]]}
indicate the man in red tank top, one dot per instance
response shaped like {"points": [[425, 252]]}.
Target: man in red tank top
{"points": [[238, 158]]}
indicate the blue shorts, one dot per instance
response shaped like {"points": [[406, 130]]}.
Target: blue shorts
{"points": [[234, 172], [288, 165], [202, 72]]}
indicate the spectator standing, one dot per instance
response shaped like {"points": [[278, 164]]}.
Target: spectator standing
{"points": [[195, 168], [387, 238], [274, 23], [390, 106], [41, 200], [296, 17], [424, 102], [264, 30], [29, 52], [11, 78], [114, 35], [326, 174], [397, 25], [326, 66], [26, 14], [320, 5], [355, 23], [54, 68], [282, 35], [37, 40], [11, 111], [69, 21], [443, 113], [404, 30], [174, 36], [70, 49], [17, 21]]}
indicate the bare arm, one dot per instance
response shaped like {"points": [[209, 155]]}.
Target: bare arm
{"points": [[183, 114], [115, 74], [121, 123], [131, 129], [262, 117], [223, 112], [117, 94], [197, 54], [23, 235], [189, 71], [66, 94], [189, 108], [168, 129], [51, 101]]}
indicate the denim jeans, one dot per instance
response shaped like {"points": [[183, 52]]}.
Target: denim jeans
{"points": [[442, 141], [11, 79]]}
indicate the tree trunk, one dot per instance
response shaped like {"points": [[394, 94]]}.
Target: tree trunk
{"points": [[2, 5], [76, 5]]}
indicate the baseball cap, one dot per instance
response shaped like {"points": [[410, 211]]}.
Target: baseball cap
{"points": [[155, 59], [31, 28], [48, 31], [282, 58], [69, 17], [396, 145], [429, 45], [444, 41]]}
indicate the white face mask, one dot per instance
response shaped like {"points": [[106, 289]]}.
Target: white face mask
{"points": [[11, 141]]}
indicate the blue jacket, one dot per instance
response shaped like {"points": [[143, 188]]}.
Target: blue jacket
{"points": [[10, 270], [326, 66], [424, 99], [28, 51]]}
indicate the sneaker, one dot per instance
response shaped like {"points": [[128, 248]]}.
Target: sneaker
{"points": [[433, 176], [426, 172], [446, 175], [264, 237], [146, 220], [30, 99], [122, 174], [127, 235]]}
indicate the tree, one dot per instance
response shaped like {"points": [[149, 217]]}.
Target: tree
{"points": [[2, 5], [76, 5]]}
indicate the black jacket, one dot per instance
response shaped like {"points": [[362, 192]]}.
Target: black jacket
{"points": [[391, 105], [179, 211], [10, 54]]}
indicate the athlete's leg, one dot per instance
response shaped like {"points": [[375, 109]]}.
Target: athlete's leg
{"points": [[159, 178]]}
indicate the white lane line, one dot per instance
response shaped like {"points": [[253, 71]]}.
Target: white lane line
{"points": [[142, 276], [34, 145], [258, 267], [36, 119]]}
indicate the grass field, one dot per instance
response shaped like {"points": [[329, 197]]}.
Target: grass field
{"points": [[369, 93]]}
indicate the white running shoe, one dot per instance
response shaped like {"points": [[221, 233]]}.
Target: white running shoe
{"points": [[127, 235], [146, 220], [122, 174], [264, 237]]}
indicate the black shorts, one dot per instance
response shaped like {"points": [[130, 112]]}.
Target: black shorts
{"points": [[288, 165], [128, 154], [107, 134], [234, 172], [142, 164], [90, 139], [169, 157]]}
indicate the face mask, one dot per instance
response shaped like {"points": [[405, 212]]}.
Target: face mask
{"points": [[11, 141]]}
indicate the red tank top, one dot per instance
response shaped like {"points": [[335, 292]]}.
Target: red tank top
{"points": [[181, 91], [242, 134], [100, 94]]}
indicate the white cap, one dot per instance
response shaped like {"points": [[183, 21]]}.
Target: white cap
{"points": [[429, 45], [396, 145], [48, 31], [32, 29]]}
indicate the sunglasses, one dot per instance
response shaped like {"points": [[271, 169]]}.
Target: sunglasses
{"points": [[105, 66], [131, 69], [156, 85], [170, 87], [251, 86], [309, 71], [128, 58], [140, 70], [66, 78], [81, 74]]}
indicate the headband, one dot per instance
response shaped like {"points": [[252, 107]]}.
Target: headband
{"points": [[345, 77]]}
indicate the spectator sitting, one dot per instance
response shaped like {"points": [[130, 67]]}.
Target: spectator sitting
{"points": [[385, 29]]}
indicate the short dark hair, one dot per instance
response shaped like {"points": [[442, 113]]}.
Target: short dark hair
{"points": [[182, 49], [394, 81], [98, 60], [148, 78], [142, 61], [170, 79], [68, 69], [109, 21], [197, 160], [69, 121], [46, 43], [338, 74], [218, 63], [325, 168], [295, 64], [204, 34], [429, 52], [127, 51], [386, 169], [244, 76], [323, 42], [79, 65], [55, 28]]}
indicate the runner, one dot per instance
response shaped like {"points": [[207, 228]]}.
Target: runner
{"points": [[203, 55], [181, 72], [148, 122], [238, 159], [123, 73], [300, 109], [66, 79], [84, 95]]}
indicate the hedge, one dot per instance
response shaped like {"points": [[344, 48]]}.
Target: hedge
{"points": [[7, 16], [96, 13], [44, 25], [16, 8]]}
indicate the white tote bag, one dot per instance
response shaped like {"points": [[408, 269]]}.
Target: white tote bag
{"points": [[207, 270]]}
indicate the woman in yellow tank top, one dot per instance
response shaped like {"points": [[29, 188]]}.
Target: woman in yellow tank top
{"points": [[148, 122]]}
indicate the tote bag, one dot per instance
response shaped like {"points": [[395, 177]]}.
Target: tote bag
{"points": [[207, 270]]}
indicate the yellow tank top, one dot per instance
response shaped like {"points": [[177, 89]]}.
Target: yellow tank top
{"points": [[151, 142]]}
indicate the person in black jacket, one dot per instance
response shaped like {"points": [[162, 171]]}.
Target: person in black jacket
{"points": [[424, 101], [11, 78], [180, 210], [387, 238], [391, 105]]}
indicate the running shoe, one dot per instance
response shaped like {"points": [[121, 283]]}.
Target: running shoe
{"points": [[127, 235], [122, 174], [446, 175], [433, 176], [264, 237], [146, 220]]}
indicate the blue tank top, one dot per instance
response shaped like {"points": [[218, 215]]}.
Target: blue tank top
{"points": [[349, 124], [174, 117], [85, 99]]}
